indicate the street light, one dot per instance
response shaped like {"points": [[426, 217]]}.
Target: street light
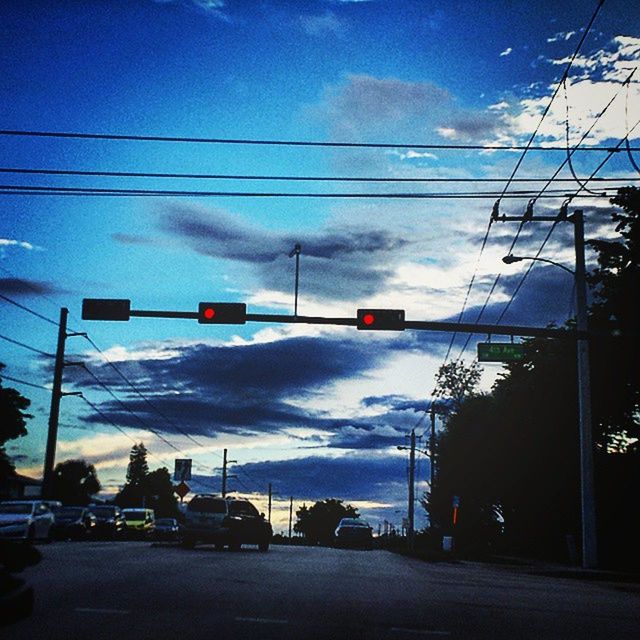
{"points": [[510, 259], [587, 484]]}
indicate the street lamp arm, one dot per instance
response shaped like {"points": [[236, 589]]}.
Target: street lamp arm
{"points": [[510, 259]]}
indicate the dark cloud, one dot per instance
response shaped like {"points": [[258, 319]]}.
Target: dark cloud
{"points": [[341, 263], [127, 238], [242, 388], [366, 477], [473, 125], [23, 287], [364, 104]]}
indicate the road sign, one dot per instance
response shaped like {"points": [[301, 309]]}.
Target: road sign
{"points": [[182, 489], [500, 352], [182, 469]]}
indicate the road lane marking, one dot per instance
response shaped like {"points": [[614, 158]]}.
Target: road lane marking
{"points": [[421, 632], [95, 610], [262, 620]]}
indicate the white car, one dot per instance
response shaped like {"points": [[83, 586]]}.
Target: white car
{"points": [[25, 520]]}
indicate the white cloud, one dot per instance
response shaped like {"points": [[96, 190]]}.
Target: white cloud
{"points": [[320, 25], [506, 52], [561, 35], [7, 242]]}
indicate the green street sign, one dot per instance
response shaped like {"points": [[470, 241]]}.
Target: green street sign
{"points": [[500, 352]]}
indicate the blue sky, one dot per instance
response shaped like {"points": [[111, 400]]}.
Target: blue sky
{"points": [[298, 406]]}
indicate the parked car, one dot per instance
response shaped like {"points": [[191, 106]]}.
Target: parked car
{"points": [[140, 522], [25, 520], [231, 522], [167, 529], [110, 522], [74, 523], [354, 532]]}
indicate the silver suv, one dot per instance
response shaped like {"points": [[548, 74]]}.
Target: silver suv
{"points": [[219, 521]]}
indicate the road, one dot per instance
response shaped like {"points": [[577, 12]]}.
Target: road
{"points": [[122, 590]]}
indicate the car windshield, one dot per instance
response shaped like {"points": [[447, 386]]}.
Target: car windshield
{"points": [[242, 508], [208, 505], [69, 512], [134, 515], [103, 512], [18, 509], [352, 522]]}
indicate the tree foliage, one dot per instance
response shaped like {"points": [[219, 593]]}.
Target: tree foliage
{"points": [[457, 381], [318, 522], [13, 421], [152, 489], [75, 482]]}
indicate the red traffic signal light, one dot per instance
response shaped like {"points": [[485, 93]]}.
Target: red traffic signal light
{"points": [[106, 309], [381, 319], [222, 313]]}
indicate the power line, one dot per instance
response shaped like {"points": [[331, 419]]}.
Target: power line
{"points": [[286, 143], [32, 190], [26, 346], [553, 96], [141, 395], [28, 310], [287, 178], [25, 382]]}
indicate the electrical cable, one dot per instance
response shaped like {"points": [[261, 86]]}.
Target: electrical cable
{"points": [[626, 123], [218, 176], [28, 310], [292, 143], [26, 346], [25, 382], [32, 190]]}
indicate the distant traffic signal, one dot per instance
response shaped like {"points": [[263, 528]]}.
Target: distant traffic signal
{"points": [[381, 319], [106, 309], [222, 313]]}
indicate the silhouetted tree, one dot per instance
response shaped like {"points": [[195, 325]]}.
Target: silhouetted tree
{"points": [[159, 493], [75, 482], [455, 382], [318, 522], [151, 489], [13, 422]]}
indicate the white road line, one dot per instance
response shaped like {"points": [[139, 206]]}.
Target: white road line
{"points": [[94, 610], [421, 632], [262, 620]]}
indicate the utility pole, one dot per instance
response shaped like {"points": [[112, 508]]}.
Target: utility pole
{"points": [[587, 489], [432, 450], [269, 512], [412, 469], [225, 475], [56, 394], [290, 515], [587, 481]]}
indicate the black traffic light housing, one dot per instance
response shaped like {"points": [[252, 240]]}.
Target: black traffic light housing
{"points": [[106, 309], [381, 319], [222, 313]]}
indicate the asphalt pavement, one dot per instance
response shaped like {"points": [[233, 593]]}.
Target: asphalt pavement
{"points": [[136, 590]]}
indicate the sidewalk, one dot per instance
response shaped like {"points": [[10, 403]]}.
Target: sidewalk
{"points": [[554, 570]]}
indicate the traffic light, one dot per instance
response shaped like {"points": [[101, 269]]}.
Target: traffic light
{"points": [[222, 313], [106, 309], [381, 319]]}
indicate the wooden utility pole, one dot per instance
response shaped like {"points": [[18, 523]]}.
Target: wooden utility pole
{"points": [[290, 515], [269, 512]]}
